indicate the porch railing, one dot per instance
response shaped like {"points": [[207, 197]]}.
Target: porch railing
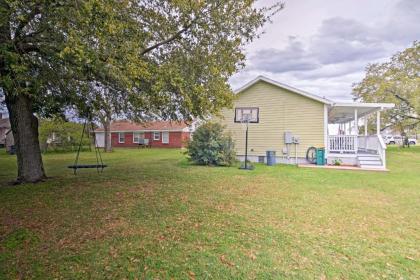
{"points": [[342, 143], [357, 144]]}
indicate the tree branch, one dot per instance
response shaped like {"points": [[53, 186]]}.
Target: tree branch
{"points": [[168, 40], [22, 24]]}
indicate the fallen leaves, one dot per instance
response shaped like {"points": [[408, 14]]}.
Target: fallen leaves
{"points": [[191, 275], [226, 261]]}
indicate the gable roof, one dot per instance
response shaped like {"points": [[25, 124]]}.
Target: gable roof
{"points": [[125, 125], [283, 86]]}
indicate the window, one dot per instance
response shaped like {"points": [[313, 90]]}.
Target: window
{"points": [[137, 136], [251, 113], [165, 137], [121, 137], [156, 135]]}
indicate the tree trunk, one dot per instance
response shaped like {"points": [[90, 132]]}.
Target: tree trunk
{"points": [[107, 135], [24, 126]]}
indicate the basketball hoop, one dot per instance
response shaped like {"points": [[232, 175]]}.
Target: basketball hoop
{"points": [[245, 120]]}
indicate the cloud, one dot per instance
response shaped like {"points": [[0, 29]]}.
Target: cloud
{"points": [[334, 56], [404, 25], [338, 40], [293, 58], [341, 40]]}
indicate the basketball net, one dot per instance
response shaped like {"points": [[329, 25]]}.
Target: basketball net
{"points": [[246, 118]]}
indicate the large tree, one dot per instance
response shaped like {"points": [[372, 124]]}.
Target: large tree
{"points": [[396, 81], [167, 59]]}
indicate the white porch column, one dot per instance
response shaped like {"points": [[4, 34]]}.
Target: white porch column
{"points": [[356, 128], [366, 125], [378, 122]]}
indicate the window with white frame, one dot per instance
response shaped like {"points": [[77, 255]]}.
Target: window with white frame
{"points": [[137, 136], [156, 135], [165, 137], [121, 137]]}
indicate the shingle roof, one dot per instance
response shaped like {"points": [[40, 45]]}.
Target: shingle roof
{"points": [[125, 125]]}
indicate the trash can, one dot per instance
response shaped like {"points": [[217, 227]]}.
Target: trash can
{"points": [[12, 150], [271, 157], [320, 156]]}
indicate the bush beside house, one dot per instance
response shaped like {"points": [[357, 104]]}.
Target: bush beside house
{"points": [[211, 146]]}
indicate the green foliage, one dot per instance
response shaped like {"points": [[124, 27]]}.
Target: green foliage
{"points": [[143, 58], [211, 146], [59, 135], [396, 81]]}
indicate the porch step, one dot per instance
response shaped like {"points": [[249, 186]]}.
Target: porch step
{"points": [[369, 161], [369, 158]]}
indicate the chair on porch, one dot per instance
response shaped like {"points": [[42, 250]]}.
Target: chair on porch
{"points": [[144, 143]]}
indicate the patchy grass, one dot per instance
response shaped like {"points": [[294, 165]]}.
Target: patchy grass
{"points": [[152, 215]]}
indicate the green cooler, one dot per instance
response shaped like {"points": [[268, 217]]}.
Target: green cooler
{"points": [[320, 156]]}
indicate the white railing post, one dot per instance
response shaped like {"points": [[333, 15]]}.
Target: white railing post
{"points": [[366, 125], [356, 128]]}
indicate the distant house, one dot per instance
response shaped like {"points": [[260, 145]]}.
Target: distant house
{"points": [[158, 134], [10, 142], [4, 128], [290, 121]]}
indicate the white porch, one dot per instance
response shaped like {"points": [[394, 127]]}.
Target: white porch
{"points": [[345, 142]]}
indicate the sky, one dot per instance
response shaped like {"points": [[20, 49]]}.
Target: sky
{"points": [[323, 46]]}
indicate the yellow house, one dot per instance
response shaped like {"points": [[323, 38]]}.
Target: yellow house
{"points": [[289, 121]]}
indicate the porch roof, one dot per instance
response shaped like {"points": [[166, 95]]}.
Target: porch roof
{"points": [[344, 112]]}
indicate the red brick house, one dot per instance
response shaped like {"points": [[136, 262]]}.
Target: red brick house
{"points": [[160, 134], [4, 128]]}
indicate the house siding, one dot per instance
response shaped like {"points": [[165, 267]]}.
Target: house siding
{"points": [[177, 139], [280, 110]]}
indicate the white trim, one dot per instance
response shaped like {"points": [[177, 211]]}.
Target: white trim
{"points": [[154, 135], [364, 105], [326, 130], [284, 86], [119, 138], [163, 137], [378, 122]]}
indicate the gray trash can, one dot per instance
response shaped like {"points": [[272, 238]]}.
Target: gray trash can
{"points": [[271, 157]]}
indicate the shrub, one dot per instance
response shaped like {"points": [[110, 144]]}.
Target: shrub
{"points": [[57, 135], [210, 145]]}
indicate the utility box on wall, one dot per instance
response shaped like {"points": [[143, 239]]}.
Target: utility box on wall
{"points": [[288, 137]]}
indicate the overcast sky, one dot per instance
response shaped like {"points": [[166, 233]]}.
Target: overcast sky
{"points": [[324, 46]]}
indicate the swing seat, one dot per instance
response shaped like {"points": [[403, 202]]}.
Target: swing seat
{"points": [[77, 166]]}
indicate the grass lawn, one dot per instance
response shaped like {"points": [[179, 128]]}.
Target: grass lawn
{"points": [[152, 215]]}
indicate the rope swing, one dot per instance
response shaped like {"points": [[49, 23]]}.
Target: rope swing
{"points": [[99, 163]]}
